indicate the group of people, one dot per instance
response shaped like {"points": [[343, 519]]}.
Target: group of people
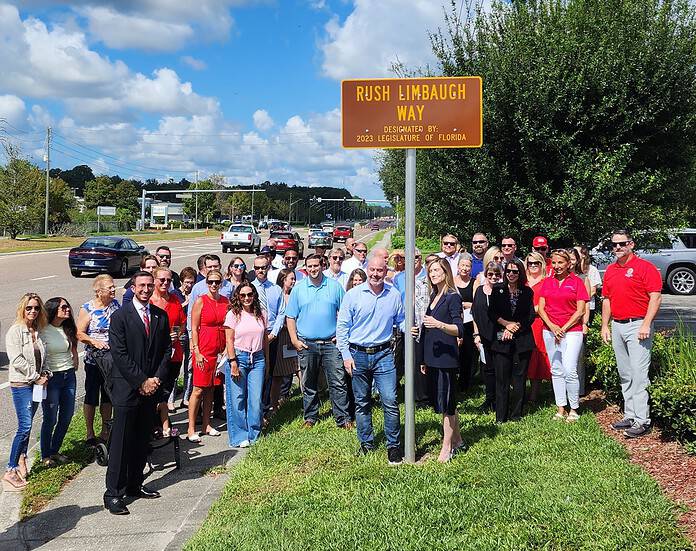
{"points": [[242, 334]]}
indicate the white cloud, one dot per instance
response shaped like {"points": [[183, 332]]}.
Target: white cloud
{"points": [[12, 109], [118, 30], [195, 64], [262, 120], [378, 34]]}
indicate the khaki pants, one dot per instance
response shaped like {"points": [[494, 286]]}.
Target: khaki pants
{"points": [[633, 364]]}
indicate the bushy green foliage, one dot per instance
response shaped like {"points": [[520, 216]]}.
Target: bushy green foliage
{"points": [[587, 105], [425, 244]]}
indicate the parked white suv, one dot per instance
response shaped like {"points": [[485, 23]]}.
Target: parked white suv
{"points": [[241, 236]]}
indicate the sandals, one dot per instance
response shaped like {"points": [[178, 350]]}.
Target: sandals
{"points": [[12, 482], [213, 432], [559, 417], [572, 417], [194, 438]]}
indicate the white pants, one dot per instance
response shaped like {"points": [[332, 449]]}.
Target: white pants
{"points": [[563, 357]]}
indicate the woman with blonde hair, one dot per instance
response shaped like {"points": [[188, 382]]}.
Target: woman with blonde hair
{"points": [[26, 354], [93, 324], [493, 254], [539, 366], [439, 352]]}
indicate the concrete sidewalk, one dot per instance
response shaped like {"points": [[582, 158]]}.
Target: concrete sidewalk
{"points": [[76, 519]]}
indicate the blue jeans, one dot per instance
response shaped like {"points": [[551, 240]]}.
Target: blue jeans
{"points": [[326, 356], [58, 409], [25, 409], [244, 408], [379, 368]]}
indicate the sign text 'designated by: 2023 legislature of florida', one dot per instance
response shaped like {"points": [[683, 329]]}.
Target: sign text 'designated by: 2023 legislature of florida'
{"points": [[412, 113]]}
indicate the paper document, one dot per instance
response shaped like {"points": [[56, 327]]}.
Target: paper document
{"points": [[482, 355], [222, 362], [39, 393], [289, 352], [466, 315]]}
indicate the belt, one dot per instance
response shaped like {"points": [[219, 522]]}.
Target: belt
{"points": [[320, 341], [371, 349], [628, 320]]}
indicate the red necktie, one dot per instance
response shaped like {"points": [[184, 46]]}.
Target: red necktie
{"points": [[146, 321]]}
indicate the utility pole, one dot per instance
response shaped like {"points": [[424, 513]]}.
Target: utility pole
{"points": [[48, 169], [195, 223], [290, 210], [253, 186]]}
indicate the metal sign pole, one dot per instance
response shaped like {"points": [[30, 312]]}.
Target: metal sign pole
{"points": [[409, 345]]}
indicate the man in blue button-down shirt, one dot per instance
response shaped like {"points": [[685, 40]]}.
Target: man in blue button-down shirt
{"points": [[311, 316], [366, 320]]}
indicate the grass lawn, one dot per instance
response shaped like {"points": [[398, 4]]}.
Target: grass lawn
{"points": [[375, 239], [535, 484], [44, 484], [39, 243]]}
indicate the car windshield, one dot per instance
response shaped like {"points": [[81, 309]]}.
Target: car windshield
{"points": [[282, 235], [93, 242], [321, 234], [247, 229], [343, 228]]}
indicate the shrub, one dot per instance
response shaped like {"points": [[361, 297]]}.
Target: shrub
{"points": [[425, 244]]}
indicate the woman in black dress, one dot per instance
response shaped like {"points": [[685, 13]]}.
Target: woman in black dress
{"points": [[442, 325], [467, 349], [511, 308], [485, 329]]}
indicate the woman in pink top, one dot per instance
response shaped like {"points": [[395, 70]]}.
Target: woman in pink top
{"points": [[562, 300], [247, 350]]}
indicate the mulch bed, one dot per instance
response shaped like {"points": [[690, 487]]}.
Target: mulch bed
{"points": [[661, 457]]}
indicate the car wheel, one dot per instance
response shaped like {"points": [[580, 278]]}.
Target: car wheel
{"points": [[76, 273], [123, 270], [224, 249], [682, 281]]}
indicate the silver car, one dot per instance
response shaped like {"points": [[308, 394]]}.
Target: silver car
{"points": [[675, 257]]}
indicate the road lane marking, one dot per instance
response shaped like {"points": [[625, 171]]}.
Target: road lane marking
{"points": [[44, 277]]}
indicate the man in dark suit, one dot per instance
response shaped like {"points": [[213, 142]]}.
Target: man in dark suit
{"points": [[140, 347]]}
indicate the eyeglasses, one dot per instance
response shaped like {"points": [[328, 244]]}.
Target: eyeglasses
{"points": [[507, 245], [360, 250], [533, 263], [32, 308], [246, 295], [516, 272], [479, 242], [498, 258], [167, 256], [418, 257], [109, 289], [619, 244], [64, 307], [239, 266], [541, 249], [213, 281], [449, 243], [164, 279], [334, 257], [261, 268], [312, 266], [492, 274]]}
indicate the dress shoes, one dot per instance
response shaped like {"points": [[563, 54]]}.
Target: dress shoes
{"points": [[115, 506], [144, 492]]}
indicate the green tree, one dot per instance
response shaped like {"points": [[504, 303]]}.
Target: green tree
{"points": [[207, 203], [589, 109], [99, 192]]}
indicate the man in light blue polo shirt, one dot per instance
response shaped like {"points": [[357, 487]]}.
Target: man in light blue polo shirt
{"points": [[311, 315], [364, 328]]}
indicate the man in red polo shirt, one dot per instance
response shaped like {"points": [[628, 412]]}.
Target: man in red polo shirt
{"points": [[632, 295], [541, 245]]}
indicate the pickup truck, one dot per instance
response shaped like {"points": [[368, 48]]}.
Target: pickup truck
{"points": [[240, 236]]}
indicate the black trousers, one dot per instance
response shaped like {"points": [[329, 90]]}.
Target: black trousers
{"points": [[488, 372], [128, 447], [266, 393], [510, 370], [467, 352]]}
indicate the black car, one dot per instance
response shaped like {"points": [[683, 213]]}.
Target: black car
{"points": [[107, 254]]}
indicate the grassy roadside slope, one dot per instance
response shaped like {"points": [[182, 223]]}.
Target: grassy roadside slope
{"points": [[536, 484]]}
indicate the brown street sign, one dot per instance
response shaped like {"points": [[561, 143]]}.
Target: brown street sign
{"points": [[401, 113]]}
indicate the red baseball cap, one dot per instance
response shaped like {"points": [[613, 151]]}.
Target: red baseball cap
{"points": [[540, 241]]}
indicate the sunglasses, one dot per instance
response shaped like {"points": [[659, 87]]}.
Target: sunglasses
{"points": [[262, 268], [246, 295], [449, 243], [492, 274], [479, 242], [337, 257], [418, 257], [541, 249], [167, 256], [360, 250], [533, 263], [64, 307], [213, 281], [618, 244], [239, 266], [164, 279], [507, 245], [107, 289], [498, 258], [32, 308], [516, 272]]}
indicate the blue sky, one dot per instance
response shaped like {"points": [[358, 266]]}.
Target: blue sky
{"points": [[246, 89]]}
